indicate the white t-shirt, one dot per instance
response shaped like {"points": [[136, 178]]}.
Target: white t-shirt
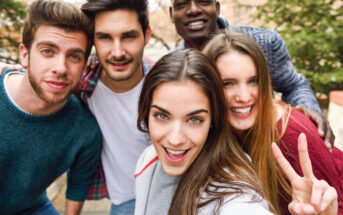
{"points": [[116, 114]]}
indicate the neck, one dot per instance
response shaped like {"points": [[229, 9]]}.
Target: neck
{"points": [[200, 43], [24, 96], [196, 44], [122, 86]]}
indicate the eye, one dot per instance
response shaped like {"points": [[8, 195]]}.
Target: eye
{"points": [[47, 52], [228, 83], [75, 57], [103, 37], [253, 81], [205, 2], [129, 36], [195, 120], [161, 116], [179, 4]]}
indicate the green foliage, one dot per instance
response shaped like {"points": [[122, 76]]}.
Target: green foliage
{"points": [[313, 31], [12, 16]]}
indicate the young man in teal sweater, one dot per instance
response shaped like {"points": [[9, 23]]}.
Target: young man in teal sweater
{"points": [[45, 130]]}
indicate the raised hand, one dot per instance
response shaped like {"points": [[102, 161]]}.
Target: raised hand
{"points": [[4, 66], [309, 195], [323, 125]]}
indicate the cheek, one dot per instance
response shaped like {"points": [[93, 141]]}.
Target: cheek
{"points": [[156, 131], [199, 136], [227, 96]]}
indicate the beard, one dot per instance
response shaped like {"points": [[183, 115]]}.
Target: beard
{"points": [[49, 98]]}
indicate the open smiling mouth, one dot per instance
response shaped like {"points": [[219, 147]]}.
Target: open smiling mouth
{"points": [[175, 155], [196, 25]]}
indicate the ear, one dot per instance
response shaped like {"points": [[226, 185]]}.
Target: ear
{"points": [[147, 35], [217, 8], [171, 14], [24, 55]]}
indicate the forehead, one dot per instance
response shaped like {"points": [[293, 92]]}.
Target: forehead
{"points": [[180, 96], [235, 64], [60, 38], [120, 20]]}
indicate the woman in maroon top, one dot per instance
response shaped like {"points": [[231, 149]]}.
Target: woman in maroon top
{"points": [[258, 121]]}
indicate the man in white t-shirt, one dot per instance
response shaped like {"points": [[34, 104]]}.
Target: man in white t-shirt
{"points": [[111, 91]]}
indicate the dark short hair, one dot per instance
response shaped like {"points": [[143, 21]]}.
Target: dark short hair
{"points": [[92, 7], [58, 14]]}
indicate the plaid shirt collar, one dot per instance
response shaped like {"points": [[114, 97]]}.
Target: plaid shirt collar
{"points": [[91, 77]]}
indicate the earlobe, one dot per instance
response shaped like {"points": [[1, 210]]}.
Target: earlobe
{"points": [[24, 55]]}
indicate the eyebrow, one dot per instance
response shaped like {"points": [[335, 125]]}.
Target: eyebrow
{"points": [[47, 43], [131, 32], [189, 114], [101, 34]]}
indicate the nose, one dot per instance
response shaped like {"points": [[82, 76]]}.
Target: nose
{"points": [[60, 66], [193, 8], [243, 94], [176, 134], [117, 49]]}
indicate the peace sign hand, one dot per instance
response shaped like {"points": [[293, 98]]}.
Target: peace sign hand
{"points": [[309, 195]]}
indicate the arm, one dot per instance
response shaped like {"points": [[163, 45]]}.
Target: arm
{"points": [[294, 87], [81, 173], [4, 66], [73, 207]]}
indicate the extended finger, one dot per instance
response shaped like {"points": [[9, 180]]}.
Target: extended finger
{"points": [[284, 164], [304, 158]]}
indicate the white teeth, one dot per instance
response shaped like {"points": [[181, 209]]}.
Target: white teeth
{"points": [[175, 152], [241, 110], [196, 23]]}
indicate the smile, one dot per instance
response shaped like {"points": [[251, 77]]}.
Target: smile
{"points": [[175, 156], [196, 23], [57, 86], [241, 110]]}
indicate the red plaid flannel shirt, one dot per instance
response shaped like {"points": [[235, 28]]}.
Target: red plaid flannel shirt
{"points": [[86, 87]]}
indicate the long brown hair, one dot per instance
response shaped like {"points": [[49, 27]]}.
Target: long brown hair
{"points": [[257, 140], [221, 159]]}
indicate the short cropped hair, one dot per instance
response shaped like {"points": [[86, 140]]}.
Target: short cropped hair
{"points": [[58, 14], [93, 7]]}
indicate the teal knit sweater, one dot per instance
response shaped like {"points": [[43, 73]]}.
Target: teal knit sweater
{"points": [[35, 150]]}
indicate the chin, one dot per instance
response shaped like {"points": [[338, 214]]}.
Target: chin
{"points": [[173, 171]]}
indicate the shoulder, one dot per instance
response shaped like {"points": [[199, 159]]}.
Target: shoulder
{"points": [[247, 203], [299, 123], [83, 119], [258, 34], [146, 160]]}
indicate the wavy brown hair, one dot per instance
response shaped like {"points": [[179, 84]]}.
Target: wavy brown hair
{"points": [[59, 14], [257, 140], [221, 162]]}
